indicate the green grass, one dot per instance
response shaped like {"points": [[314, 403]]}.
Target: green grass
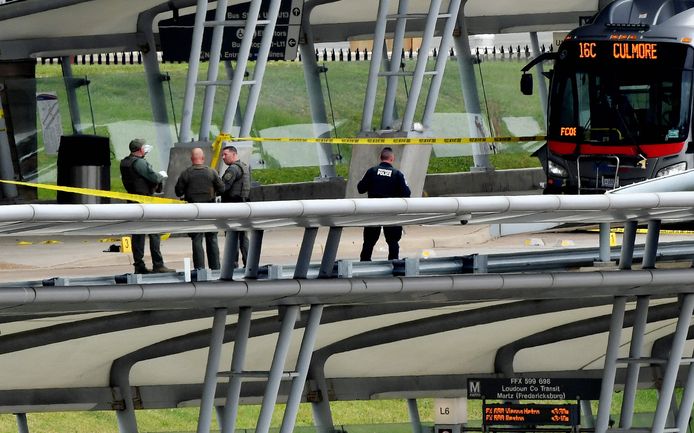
{"points": [[350, 415], [118, 93]]}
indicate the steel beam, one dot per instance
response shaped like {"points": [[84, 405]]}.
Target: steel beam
{"points": [[667, 388], [276, 369], [421, 66], [254, 248], [231, 246], [330, 252], [302, 365], [241, 66], [259, 70], [628, 239], [193, 68], [375, 65], [441, 62], [388, 118], [238, 359], [604, 242], [649, 255], [210, 383], [22, 425], [685, 410], [213, 70], [304, 259], [413, 411], [610, 367], [635, 351]]}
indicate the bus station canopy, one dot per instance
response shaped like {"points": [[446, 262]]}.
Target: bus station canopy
{"points": [[38, 28]]}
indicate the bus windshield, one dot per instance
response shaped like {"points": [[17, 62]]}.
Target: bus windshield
{"points": [[613, 101]]}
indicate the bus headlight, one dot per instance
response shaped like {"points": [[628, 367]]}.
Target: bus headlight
{"points": [[556, 170], [676, 168]]}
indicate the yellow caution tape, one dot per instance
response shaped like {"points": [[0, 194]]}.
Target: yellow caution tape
{"points": [[50, 242], [107, 240], [662, 232], [99, 193], [2, 114], [217, 148], [645, 231], [391, 141], [24, 243]]}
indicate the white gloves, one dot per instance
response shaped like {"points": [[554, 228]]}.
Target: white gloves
{"points": [[163, 174], [146, 148]]}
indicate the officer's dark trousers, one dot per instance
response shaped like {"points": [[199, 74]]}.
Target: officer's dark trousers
{"points": [[243, 246], [371, 235], [199, 253], [138, 243]]}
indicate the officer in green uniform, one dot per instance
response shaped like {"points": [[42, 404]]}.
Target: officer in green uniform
{"points": [[139, 178], [201, 184], [237, 189]]}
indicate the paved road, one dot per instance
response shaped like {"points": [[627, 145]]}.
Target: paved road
{"points": [[39, 258]]}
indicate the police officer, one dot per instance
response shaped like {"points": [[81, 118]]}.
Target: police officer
{"points": [[237, 188], [383, 181], [139, 178], [201, 184]]}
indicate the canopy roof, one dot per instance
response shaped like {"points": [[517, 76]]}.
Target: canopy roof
{"points": [[31, 28]]}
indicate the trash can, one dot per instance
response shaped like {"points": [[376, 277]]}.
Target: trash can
{"points": [[84, 161]]}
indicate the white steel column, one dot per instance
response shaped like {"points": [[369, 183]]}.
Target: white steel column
{"points": [[610, 369], [667, 389], [193, 67], [210, 384], [651, 248], [231, 407], [635, 350], [259, 70], [375, 65], [420, 68], [276, 370], [394, 67], [241, 63], [303, 362], [213, 69], [685, 410], [441, 61]]}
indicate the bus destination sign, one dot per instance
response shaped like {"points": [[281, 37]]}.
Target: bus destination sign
{"points": [[533, 388], [621, 50], [531, 414]]}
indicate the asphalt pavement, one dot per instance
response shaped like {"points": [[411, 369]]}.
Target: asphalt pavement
{"points": [[36, 258]]}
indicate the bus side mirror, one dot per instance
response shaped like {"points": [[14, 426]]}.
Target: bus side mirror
{"points": [[526, 84]]}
